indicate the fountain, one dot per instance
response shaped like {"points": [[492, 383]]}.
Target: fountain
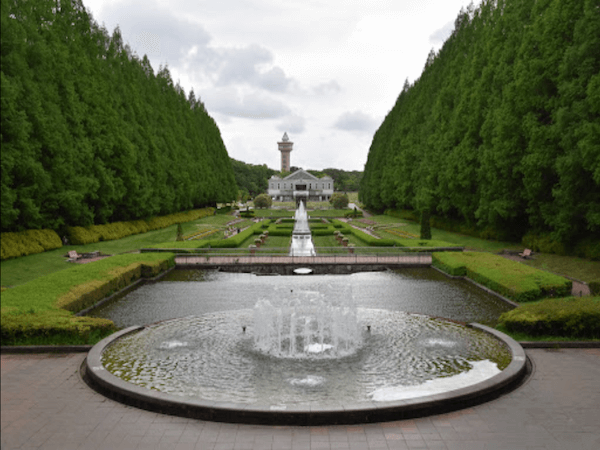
{"points": [[302, 244], [299, 358]]}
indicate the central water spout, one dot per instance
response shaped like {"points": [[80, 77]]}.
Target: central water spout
{"points": [[302, 244], [306, 324]]}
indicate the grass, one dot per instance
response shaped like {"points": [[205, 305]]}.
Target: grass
{"points": [[41, 311], [277, 242], [26, 268], [509, 278], [569, 266]]}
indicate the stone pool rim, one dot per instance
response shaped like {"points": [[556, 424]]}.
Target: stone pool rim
{"points": [[103, 381]]}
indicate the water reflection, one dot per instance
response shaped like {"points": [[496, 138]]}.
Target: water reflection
{"points": [[424, 291]]}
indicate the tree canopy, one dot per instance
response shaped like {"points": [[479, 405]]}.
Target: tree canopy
{"points": [[90, 133], [502, 129], [252, 179]]}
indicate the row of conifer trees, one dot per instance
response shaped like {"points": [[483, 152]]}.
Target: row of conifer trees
{"points": [[90, 133], [502, 129]]}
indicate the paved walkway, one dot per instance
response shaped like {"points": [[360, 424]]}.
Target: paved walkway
{"points": [[46, 405]]}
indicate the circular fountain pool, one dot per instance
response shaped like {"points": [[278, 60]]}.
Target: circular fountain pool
{"points": [[217, 367]]}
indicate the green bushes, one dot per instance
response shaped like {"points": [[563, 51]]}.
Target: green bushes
{"points": [[575, 317], [53, 327], [237, 239], [509, 278], [28, 242], [42, 308], [118, 230]]}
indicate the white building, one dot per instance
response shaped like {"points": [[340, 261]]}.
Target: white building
{"points": [[300, 185]]}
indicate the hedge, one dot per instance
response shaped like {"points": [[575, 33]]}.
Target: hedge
{"points": [[371, 241], [509, 278], [571, 317], [237, 239], [43, 308], [118, 230], [53, 327], [28, 242]]}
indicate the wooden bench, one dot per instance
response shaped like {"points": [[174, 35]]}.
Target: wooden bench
{"points": [[526, 253]]}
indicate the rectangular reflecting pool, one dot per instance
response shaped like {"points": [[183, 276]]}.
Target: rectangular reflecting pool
{"points": [[184, 293]]}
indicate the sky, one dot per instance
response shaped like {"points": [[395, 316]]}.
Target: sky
{"points": [[325, 72]]}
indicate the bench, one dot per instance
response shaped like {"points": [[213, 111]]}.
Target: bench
{"points": [[526, 253], [73, 256]]}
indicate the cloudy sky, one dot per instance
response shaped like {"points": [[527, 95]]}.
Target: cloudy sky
{"points": [[327, 72]]}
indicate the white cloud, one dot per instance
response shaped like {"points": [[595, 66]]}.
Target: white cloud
{"points": [[356, 121], [324, 71], [231, 101], [441, 34], [292, 124], [328, 88]]}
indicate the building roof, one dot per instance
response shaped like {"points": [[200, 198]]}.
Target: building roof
{"points": [[300, 174]]}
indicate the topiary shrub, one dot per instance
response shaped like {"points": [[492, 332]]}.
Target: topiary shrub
{"points": [[339, 200], [425, 224]]}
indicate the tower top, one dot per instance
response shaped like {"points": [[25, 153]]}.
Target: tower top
{"points": [[285, 147]]}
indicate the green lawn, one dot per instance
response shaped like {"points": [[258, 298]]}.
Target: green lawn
{"points": [[570, 266], [20, 270]]}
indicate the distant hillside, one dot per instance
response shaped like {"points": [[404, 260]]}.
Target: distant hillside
{"points": [[502, 130], [90, 133]]}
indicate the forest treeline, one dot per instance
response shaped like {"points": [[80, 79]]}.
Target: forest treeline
{"points": [[252, 179], [501, 131], [90, 133], [344, 180]]}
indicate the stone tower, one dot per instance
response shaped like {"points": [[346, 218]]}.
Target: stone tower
{"points": [[285, 147]]}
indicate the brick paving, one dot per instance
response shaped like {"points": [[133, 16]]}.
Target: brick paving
{"points": [[46, 405]]}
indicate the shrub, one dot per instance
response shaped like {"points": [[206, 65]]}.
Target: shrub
{"points": [[339, 200], [53, 327], [262, 201], [13, 245], [509, 278], [425, 224], [247, 214], [118, 230], [576, 317]]}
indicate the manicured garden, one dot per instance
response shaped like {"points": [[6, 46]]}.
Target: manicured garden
{"points": [[42, 310], [39, 308]]}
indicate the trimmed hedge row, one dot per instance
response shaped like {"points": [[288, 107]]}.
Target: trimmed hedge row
{"points": [[43, 308], [509, 278], [372, 241], [53, 327], [571, 316], [237, 239], [118, 230], [23, 243]]}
